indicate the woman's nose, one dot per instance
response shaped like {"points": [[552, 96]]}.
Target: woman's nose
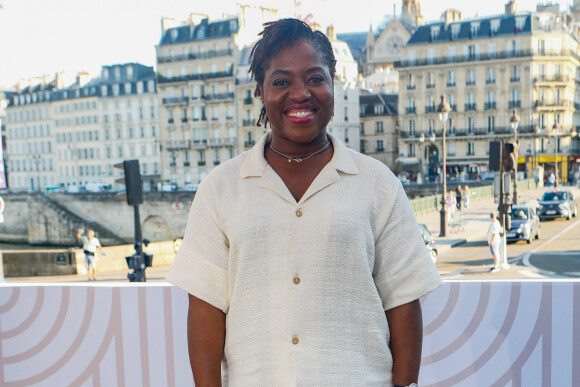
{"points": [[299, 91]]}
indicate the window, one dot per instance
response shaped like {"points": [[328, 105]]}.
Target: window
{"points": [[379, 146], [490, 100], [431, 54], [470, 125], [470, 148], [379, 127], [472, 52], [515, 75], [494, 25], [450, 78], [451, 149], [514, 99], [430, 80], [435, 32], [474, 28], [490, 124], [379, 109], [411, 128], [410, 82], [411, 150], [490, 75], [470, 77], [455, 31]]}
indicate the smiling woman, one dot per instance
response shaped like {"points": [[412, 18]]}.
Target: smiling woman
{"points": [[303, 259]]}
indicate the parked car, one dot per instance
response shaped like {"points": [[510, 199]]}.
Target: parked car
{"points": [[429, 242], [557, 204], [525, 224]]}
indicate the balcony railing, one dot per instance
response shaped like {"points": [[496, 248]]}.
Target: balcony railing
{"points": [[183, 119], [192, 77], [249, 122], [175, 101], [470, 82], [470, 107], [489, 105], [249, 144], [222, 141], [489, 81], [561, 103], [430, 109], [199, 144], [514, 104], [201, 163], [410, 87], [201, 55], [379, 149], [451, 84], [219, 97], [170, 121], [411, 109], [248, 101], [552, 78], [515, 79], [431, 86], [484, 57], [175, 145]]}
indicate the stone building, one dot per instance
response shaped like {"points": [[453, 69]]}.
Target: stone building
{"points": [[378, 124], [487, 67], [67, 136]]}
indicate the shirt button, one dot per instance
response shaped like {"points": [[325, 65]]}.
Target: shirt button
{"points": [[299, 213], [295, 340], [296, 280]]}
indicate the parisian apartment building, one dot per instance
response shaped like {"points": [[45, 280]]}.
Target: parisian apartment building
{"points": [[68, 134], [487, 68]]}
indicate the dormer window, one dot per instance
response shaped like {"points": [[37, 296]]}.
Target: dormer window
{"points": [[129, 72], [128, 88], [435, 32], [455, 31], [520, 21], [474, 29], [173, 34], [104, 90], [494, 26]]}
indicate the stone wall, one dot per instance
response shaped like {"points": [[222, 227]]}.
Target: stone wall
{"points": [[54, 218]]}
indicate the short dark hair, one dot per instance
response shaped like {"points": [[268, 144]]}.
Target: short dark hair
{"points": [[279, 35]]}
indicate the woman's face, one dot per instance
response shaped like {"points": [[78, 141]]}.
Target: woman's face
{"points": [[298, 94]]}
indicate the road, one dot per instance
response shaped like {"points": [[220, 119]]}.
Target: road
{"points": [[555, 255]]}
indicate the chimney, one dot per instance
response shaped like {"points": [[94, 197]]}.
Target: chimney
{"points": [[59, 80], [331, 33], [82, 78], [196, 18], [511, 8]]}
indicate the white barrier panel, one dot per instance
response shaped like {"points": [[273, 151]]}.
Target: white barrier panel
{"points": [[476, 334]]}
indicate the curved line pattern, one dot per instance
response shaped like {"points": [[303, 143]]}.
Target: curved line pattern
{"points": [[83, 332], [11, 301], [464, 336], [542, 329], [143, 333], [169, 350], [30, 319], [113, 332], [42, 344], [445, 312], [496, 343]]}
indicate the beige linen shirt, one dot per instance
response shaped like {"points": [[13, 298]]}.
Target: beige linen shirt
{"points": [[304, 284]]}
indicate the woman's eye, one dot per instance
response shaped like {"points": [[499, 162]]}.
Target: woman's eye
{"points": [[280, 82], [317, 79]]}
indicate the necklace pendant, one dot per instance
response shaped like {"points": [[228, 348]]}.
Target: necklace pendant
{"points": [[289, 160]]}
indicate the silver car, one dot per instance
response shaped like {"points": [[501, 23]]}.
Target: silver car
{"points": [[525, 224]]}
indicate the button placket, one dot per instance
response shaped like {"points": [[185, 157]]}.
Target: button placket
{"points": [[299, 213]]}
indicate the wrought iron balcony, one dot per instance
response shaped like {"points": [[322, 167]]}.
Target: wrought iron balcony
{"points": [[249, 122], [514, 104], [249, 144], [489, 105], [175, 101], [470, 107]]}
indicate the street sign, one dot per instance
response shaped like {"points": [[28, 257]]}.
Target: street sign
{"points": [[61, 259]]}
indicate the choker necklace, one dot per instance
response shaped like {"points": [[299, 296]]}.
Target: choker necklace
{"points": [[301, 158]]}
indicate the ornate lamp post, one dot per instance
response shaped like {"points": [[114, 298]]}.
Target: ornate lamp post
{"points": [[555, 130], [443, 109], [515, 119]]}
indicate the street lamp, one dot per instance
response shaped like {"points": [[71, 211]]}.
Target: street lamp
{"points": [[443, 109], [515, 123], [555, 129], [36, 158]]}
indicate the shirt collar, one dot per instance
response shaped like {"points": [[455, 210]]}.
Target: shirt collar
{"points": [[255, 163]]}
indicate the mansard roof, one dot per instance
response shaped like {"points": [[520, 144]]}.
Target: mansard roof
{"points": [[202, 31], [507, 26], [389, 102]]}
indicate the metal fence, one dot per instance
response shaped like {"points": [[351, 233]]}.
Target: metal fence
{"points": [[433, 202]]}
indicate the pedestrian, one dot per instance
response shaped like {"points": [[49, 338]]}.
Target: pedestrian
{"points": [[551, 179], [459, 197], [90, 247], [451, 206], [493, 239], [303, 259], [466, 195]]}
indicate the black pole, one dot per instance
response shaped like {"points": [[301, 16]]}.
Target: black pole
{"points": [[138, 274]]}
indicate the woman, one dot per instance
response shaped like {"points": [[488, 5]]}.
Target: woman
{"points": [[303, 259], [451, 206], [466, 194]]}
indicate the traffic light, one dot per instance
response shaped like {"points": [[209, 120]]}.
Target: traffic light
{"points": [[508, 156], [494, 155], [132, 180]]}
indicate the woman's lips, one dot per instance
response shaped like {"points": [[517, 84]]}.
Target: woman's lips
{"points": [[301, 116]]}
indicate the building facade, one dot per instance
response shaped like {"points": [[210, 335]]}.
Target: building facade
{"points": [[378, 127], [68, 137], [487, 68]]}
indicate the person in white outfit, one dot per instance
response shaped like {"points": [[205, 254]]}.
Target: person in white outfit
{"points": [[493, 239]]}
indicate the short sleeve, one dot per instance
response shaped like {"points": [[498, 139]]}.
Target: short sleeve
{"points": [[403, 269], [200, 266]]}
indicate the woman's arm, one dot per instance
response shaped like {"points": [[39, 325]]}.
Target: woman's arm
{"points": [[406, 326], [206, 333]]}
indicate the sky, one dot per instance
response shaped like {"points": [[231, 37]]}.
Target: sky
{"points": [[39, 37]]}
